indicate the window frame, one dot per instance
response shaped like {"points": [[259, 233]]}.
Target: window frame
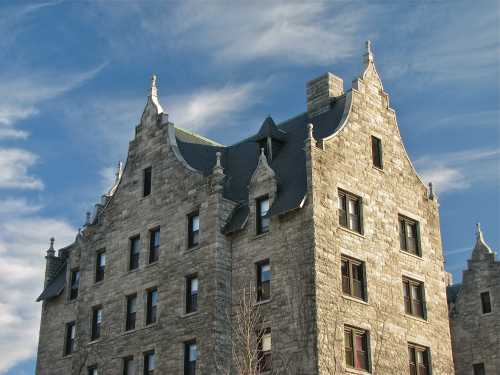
{"points": [[261, 221], [353, 360], [125, 361], [134, 256], [130, 317], [349, 290], [413, 363], [345, 214], [193, 239], [478, 368], [154, 250], [403, 223], [486, 303], [264, 357], [189, 367], [409, 301], [151, 309], [96, 324], [69, 341], [147, 181], [263, 287], [191, 299], [100, 270], [92, 370], [146, 356], [377, 152], [74, 279]]}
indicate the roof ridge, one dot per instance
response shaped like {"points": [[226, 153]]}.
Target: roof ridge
{"points": [[205, 139]]}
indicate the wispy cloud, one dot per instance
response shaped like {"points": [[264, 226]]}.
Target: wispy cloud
{"points": [[14, 165], [460, 170], [24, 235]]}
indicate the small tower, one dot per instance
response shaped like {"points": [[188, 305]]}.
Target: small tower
{"points": [[52, 263]]}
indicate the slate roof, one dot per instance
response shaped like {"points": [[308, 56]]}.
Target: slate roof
{"points": [[240, 160], [56, 286]]}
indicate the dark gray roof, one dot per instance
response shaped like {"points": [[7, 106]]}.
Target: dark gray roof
{"points": [[452, 293], [240, 160], [56, 286]]}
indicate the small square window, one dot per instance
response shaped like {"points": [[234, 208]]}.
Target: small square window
{"points": [[413, 292], [262, 208], [409, 235], [74, 284], [149, 363], [100, 266], [350, 211], [135, 249], [147, 181], [377, 152], [191, 294], [190, 357], [486, 302], [193, 229], [151, 306], [263, 281], [154, 245]]}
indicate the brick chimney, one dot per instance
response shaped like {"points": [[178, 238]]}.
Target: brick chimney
{"points": [[321, 91]]}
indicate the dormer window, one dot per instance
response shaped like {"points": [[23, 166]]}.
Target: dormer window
{"points": [[262, 207]]}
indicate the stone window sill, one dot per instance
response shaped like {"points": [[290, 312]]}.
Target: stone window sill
{"points": [[381, 170], [411, 255], [152, 264], [354, 299], [188, 315], [356, 371], [352, 232], [263, 302], [192, 249], [260, 235], [94, 341], [417, 318]]}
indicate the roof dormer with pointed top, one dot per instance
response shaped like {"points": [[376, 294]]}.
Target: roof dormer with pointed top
{"points": [[153, 109]]}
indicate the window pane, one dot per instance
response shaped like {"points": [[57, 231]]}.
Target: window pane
{"points": [[196, 223], [266, 342], [193, 352], [264, 206], [147, 181], [194, 286], [266, 272], [486, 302]]}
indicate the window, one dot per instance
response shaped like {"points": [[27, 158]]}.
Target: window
{"points": [[264, 351], [151, 305], [478, 369], [193, 229], [356, 348], [96, 322], [350, 211], [190, 357], [131, 312], [149, 363], [419, 360], [191, 294], [75, 284], [353, 278], [413, 292], [69, 345], [146, 190], [263, 281], [92, 370], [154, 245], [408, 235], [377, 152], [135, 245], [128, 366], [100, 266], [486, 302], [262, 207]]}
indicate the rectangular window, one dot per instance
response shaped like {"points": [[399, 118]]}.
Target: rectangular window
{"points": [[263, 280], [92, 370], [151, 306], [190, 357], [131, 312], [262, 207], [149, 363], [478, 369], [70, 343], [377, 152], [356, 348], [413, 292], [128, 366], [486, 302], [353, 278], [408, 235], [96, 322], [191, 294], [100, 266], [135, 248], [154, 245], [75, 284], [193, 229], [147, 182], [350, 211], [419, 360], [265, 351]]}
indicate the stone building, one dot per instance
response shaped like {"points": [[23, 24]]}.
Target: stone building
{"points": [[475, 313], [323, 213]]}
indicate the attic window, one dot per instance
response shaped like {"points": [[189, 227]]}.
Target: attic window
{"points": [[262, 206]]}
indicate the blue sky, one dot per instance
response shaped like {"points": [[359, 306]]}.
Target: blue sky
{"points": [[74, 79]]}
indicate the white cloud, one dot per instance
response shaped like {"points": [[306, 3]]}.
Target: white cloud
{"points": [[460, 170], [14, 165], [24, 237]]}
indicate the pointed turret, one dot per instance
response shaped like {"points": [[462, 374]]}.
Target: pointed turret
{"points": [[153, 108], [52, 263], [218, 173], [481, 248]]}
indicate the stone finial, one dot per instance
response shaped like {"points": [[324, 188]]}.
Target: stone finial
{"points": [[368, 56], [431, 191], [481, 248], [310, 134], [217, 169], [154, 89], [87, 218], [51, 252]]}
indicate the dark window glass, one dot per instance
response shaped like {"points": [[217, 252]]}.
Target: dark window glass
{"points": [[350, 211], [100, 266], [193, 229], [135, 249], [413, 292], [262, 207], [191, 294], [151, 306], [353, 278], [149, 363], [478, 369], [75, 284], [154, 245], [419, 360], [147, 182], [92, 370], [356, 348], [408, 234], [190, 357], [131, 312], [128, 366], [486, 302], [377, 152], [265, 351], [96, 322], [70, 343], [263, 281]]}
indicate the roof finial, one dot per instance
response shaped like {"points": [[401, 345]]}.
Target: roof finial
{"points": [[479, 233], [310, 128], [87, 218], [431, 191], [217, 163], [51, 251], [154, 89], [368, 56]]}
